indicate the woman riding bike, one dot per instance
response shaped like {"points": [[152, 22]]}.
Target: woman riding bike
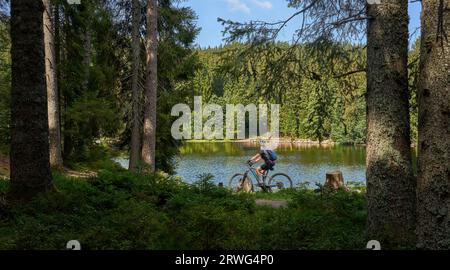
{"points": [[243, 181], [268, 155]]}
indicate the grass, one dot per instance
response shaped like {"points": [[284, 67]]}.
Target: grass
{"points": [[121, 210], [97, 158]]}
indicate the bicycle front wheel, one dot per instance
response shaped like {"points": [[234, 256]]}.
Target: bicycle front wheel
{"points": [[279, 182], [239, 182]]}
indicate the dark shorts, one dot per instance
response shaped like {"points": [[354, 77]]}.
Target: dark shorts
{"points": [[268, 165]]}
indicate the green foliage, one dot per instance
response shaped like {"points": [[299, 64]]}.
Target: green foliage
{"points": [[344, 213], [89, 76], [316, 103], [413, 78], [98, 157], [322, 95], [121, 210], [176, 65]]}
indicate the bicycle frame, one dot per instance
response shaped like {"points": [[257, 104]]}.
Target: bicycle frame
{"points": [[261, 182]]}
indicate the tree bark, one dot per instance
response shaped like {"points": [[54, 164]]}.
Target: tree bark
{"points": [[87, 49], [52, 87], [57, 22], [65, 39], [151, 84], [390, 180], [135, 148], [433, 188], [30, 165]]}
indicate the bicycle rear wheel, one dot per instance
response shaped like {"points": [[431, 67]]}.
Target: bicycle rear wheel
{"points": [[279, 182], [239, 182]]}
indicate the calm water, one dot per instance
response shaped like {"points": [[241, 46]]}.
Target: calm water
{"points": [[302, 163]]}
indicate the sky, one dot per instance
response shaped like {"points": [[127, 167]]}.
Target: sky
{"points": [[245, 10]]}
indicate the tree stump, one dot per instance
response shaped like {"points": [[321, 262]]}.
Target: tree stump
{"points": [[245, 185], [334, 181]]}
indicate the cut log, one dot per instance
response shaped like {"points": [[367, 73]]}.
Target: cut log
{"points": [[334, 181], [245, 185]]}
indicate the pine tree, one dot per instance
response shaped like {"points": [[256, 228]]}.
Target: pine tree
{"points": [[135, 148], [433, 186], [52, 87], [390, 182], [151, 85], [30, 165]]}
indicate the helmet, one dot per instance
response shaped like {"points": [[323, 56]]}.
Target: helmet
{"points": [[268, 143]]}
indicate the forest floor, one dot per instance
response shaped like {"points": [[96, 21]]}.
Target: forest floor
{"points": [[4, 166], [80, 173], [106, 207], [116, 209], [272, 203]]}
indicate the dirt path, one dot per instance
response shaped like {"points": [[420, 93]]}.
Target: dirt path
{"points": [[273, 203], [4, 166], [4, 170], [78, 174]]}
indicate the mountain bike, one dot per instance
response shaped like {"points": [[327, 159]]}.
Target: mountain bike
{"points": [[276, 182]]}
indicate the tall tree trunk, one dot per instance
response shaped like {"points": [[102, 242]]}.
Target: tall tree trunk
{"points": [[87, 52], [57, 22], [66, 40], [30, 165], [135, 148], [151, 84], [433, 186], [52, 87], [58, 41], [390, 180]]}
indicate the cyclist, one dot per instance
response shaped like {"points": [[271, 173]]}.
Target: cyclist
{"points": [[268, 155]]}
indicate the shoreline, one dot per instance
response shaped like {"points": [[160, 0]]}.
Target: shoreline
{"points": [[303, 142], [281, 141]]}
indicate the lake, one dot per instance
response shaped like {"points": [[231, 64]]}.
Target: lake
{"points": [[301, 162]]}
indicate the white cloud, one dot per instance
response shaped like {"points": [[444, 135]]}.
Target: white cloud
{"points": [[265, 4], [237, 5]]}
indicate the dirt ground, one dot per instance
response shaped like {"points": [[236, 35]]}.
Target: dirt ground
{"points": [[273, 203], [4, 166], [4, 170]]}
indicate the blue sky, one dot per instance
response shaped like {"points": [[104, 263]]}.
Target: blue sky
{"points": [[245, 10]]}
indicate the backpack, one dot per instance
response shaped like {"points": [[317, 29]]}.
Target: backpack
{"points": [[272, 155]]}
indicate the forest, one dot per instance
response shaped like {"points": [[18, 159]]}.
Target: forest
{"points": [[84, 85], [320, 105]]}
